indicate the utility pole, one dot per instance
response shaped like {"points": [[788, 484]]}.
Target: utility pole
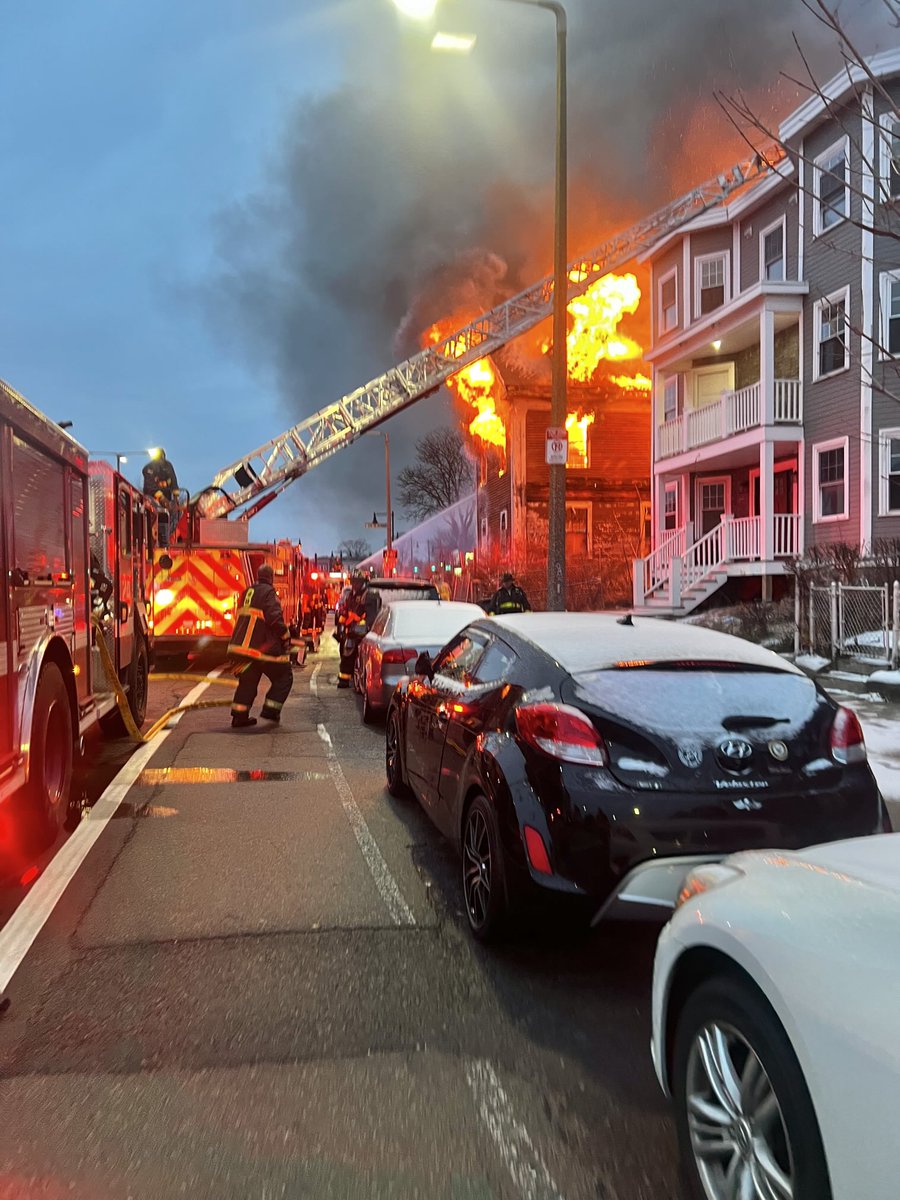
{"points": [[387, 473]]}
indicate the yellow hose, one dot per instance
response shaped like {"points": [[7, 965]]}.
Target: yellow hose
{"points": [[122, 699]]}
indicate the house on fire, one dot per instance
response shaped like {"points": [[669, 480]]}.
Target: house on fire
{"points": [[775, 339], [607, 495]]}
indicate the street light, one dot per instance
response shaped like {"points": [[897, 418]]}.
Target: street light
{"points": [[556, 522], [121, 456], [389, 518]]}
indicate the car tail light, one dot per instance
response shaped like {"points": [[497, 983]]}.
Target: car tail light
{"points": [[848, 745], [399, 656], [537, 851], [562, 732]]}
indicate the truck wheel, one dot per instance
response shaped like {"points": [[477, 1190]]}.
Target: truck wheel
{"points": [[50, 758], [140, 684]]}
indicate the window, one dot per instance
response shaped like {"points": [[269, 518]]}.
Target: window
{"points": [[496, 664], [890, 471], [483, 470], [668, 302], [832, 189], [484, 530], [381, 622], [670, 507], [504, 530], [832, 334], [578, 530], [890, 157], [672, 393], [459, 660], [890, 313], [772, 251], [711, 282], [830, 476]]}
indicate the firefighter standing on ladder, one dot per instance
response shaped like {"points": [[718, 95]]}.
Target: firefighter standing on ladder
{"points": [[262, 638]]}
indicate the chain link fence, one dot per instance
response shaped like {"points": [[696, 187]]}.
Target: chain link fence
{"points": [[856, 621]]}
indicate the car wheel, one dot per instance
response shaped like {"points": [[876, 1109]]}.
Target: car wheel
{"points": [[483, 877], [140, 684], [51, 757], [357, 676], [393, 759], [746, 1123]]}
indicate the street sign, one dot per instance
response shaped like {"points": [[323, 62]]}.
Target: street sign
{"points": [[556, 451]]}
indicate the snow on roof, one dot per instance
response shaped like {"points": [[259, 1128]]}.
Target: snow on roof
{"points": [[591, 641]]}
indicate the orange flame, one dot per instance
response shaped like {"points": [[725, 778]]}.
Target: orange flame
{"points": [[577, 426], [592, 339], [632, 383]]}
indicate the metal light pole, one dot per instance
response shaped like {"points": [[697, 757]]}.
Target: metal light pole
{"points": [[387, 487], [556, 516]]}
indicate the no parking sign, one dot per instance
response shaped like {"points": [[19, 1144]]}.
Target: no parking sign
{"points": [[557, 447]]}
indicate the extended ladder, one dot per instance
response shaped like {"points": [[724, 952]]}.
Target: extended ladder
{"points": [[268, 470]]}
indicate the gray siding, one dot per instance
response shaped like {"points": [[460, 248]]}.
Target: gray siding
{"points": [[711, 241], [832, 405], [783, 204], [661, 267], [885, 371]]}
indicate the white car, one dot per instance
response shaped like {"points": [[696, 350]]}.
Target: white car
{"points": [[776, 1023]]}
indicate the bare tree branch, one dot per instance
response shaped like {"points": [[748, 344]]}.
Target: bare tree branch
{"points": [[442, 474]]}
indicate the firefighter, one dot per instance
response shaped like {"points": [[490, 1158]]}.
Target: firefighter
{"points": [[261, 643], [509, 598], [353, 612], [160, 480]]}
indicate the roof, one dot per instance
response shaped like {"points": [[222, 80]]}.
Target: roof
{"points": [[849, 78], [583, 642], [399, 581]]}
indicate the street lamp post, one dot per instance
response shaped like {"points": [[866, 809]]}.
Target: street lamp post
{"points": [[556, 517]]}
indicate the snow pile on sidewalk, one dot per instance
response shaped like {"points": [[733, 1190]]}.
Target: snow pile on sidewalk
{"points": [[811, 662]]}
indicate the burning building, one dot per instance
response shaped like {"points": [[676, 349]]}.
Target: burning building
{"points": [[505, 406]]}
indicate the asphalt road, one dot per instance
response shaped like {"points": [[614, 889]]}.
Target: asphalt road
{"points": [[263, 987]]}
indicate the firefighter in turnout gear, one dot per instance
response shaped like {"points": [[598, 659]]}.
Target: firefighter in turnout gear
{"points": [[261, 643], [509, 598], [353, 613], [160, 480]]}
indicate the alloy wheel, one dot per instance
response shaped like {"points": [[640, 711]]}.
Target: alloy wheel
{"points": [[392, 751], [477, 868], [738, 1134]]}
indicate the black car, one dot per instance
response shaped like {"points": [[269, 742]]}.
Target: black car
{"points": [[379, 592], [602, 758]]}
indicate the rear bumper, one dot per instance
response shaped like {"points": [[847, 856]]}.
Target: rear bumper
{"points": [[649, 890]]}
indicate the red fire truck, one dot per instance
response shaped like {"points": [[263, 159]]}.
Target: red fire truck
{"points": [[76, 541], [198, 585]]}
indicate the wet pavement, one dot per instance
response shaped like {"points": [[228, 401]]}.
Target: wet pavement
{"points": [[260, 984]]}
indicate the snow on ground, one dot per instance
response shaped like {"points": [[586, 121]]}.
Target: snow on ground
{"points": [[881, 725], [811, 662], [892, 677]]}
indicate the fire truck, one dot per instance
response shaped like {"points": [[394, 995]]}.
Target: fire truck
{"points": [[198, 585], [76, 544]]}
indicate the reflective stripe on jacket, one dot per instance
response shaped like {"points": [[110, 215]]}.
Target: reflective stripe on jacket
{"points": [[260, 630]]}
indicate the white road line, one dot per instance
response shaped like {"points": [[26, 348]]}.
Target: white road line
{"points": [[519, 1154], [314, 680], [401, 913], [20, 931]]}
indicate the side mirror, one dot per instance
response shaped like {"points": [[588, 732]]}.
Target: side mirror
{"points": [[424, 665]]}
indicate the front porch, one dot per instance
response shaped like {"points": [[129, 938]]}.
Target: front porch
{"points": [[683, 572]]}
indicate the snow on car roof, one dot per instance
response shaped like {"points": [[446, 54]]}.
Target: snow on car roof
{"points": [[418, 605], [583, 642]]}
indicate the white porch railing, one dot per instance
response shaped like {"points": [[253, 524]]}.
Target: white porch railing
{"points": [[678, 566], [787, 535], [733, 412]]}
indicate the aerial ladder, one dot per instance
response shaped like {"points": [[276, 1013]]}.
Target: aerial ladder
{"points": [[258, 478]]}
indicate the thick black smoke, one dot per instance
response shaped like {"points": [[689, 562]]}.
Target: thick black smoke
{"points": [[425, 180]]}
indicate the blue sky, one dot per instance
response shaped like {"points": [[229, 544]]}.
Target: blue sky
{"points": [[128, 128]]}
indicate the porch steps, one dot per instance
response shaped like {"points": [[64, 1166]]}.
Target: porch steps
{"points": [[691, 598]]}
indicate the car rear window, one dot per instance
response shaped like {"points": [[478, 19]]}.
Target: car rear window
{"points": [[430, 623], [687, 699], [388, 595]]}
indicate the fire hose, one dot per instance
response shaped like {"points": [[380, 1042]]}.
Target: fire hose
{"points": [[122, 700]]}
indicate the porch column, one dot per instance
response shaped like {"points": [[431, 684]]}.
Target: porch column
{"points": [[659, 511], [766, 367], [766, 511]]}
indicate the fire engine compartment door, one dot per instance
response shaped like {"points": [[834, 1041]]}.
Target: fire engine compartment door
{"points": [[124, 580], [7, 675]]}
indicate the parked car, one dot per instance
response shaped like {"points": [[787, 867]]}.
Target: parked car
{"points": [[402, 631], [603, 757], [384, 591], [775, 1023]]}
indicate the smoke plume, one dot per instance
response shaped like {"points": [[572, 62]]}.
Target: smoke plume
{"points": [[423, 183]]}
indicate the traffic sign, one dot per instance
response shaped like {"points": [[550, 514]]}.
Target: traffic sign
{"points": [[556, 451]]}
